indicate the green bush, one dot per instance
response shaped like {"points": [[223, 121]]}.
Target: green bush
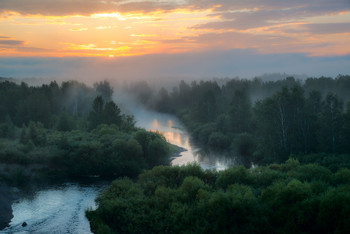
{"points": [[260, 200], [218, 140]]}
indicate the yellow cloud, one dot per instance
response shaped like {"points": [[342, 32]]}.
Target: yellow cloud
{"points": [[144, 35], [103, 27], [109, 15], [169, 30], [78, 29]]}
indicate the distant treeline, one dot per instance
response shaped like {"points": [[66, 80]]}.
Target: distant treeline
{"points": [[278, 198], [22, 103], [72, 129], [263, 121]]}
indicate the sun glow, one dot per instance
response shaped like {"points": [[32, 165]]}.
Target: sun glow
{"points": [[124, 34], [176, 30], [109, 15]]}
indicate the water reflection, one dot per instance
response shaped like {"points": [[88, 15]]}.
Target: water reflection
{"points": [[175, 133], [55, 209]]}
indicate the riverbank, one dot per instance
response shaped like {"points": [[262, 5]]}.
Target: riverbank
{"points": [[55, 208], [176, 151], [6, 198], [13, 179], [20, 184]]}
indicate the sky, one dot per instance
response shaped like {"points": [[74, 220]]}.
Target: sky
{"points": [[128, 39]]}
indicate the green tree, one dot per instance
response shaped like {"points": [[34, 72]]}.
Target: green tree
{"points": [[245, 144], [157, 150], [96, 114], [331, 119], [64, 122], [111, 114], [104, 90], [313, 108], [345, 132], [143, 138], [240, 112], [23, 137], [7, 129], [38, 108], [128, 123], [206, 107], [37, 133], [273, 120], [163, 101]]}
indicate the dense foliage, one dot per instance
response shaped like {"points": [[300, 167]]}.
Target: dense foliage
{"points": [[278, 198], [265, 121], [73, 130]]}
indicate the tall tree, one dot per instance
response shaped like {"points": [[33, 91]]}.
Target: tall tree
{"points": [[111, 114], [163, 102], [96, 114], [345, 133], [331, 119], [206, 107], [273, 118], [313, 108], [104, 90], [240, 112]]}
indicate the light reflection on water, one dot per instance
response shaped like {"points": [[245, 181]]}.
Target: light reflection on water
{"points": [[62, 209], [55, 209], [175, 133]]}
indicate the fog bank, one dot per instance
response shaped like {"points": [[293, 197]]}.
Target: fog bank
{"points": [[187, 66]]}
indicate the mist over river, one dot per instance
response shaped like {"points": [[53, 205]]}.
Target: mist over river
{"points": [[61, 208], [175, 133]]}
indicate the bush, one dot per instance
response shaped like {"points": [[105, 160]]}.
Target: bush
{"points": [[218, 140], [185, 200], [244, 144], [233, 175]]}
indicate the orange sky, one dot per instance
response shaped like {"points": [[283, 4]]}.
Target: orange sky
{"points": [[92, 28]]}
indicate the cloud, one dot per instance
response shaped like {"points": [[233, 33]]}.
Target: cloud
{"points": [[265, 25], [88, 7], [331, 28], [310, 5], [237, 40], [78, 29], [12, 46], [148, 6], [251, 19], [11, 42], [29, 49], [268, 13], [81, 7], [56, 7]]}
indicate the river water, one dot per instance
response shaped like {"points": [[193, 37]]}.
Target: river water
{"points": [[175, 133], [55, 209], [61, 208]]}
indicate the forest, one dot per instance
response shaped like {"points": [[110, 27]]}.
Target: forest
{"points": [[297, 132], [262, 121], [295, 135], [71, 130], [279, 198]]}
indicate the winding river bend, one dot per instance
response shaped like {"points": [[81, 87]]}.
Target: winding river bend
{"points": [[61, 208], [175, 133]]}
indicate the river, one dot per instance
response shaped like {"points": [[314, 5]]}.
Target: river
{"points": [[54, 209], [61, 208], [175, 133]]}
